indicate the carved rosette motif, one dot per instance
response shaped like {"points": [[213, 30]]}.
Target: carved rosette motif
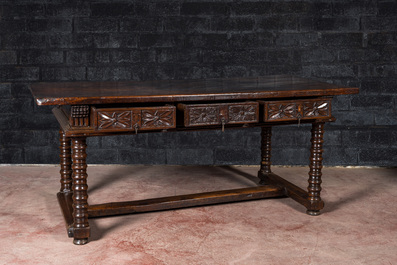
{"points": [[157, 118], [239, 113], [204, 115], [282, 111], [313, 109], [115, 120]]}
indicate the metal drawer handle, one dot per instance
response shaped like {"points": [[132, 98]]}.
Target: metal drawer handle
{"points": [[223, 120], [136, 127]]}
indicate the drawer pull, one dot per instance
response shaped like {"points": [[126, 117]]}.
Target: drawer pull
{"points": [[223, 120], [136, 127]]}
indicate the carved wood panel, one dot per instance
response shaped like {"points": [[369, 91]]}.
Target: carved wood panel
{"points": [[204, 115], [134, 119], [114, 120], [297, 110], [220, 114], [155, 118], [243, 113]]}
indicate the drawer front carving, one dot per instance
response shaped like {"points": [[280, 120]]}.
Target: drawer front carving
{"points": [[134, 119], [297, 110], [218, 114]]}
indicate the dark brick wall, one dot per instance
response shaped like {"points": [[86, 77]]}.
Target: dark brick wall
{"points": [[344, 42]]}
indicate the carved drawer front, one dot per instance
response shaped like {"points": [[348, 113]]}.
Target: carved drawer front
{"points": [[297, 110], [220, 114], [134, 119]]}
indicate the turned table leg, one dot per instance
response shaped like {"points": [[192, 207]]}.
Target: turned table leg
{"points": [[316, 158], [81, 229], [65, 162], [266, 148]]}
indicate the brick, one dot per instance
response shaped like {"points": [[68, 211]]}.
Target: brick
{"points": [[205, 9], [108, 73], [123, 41], [357, 118], [11, 138], [19, 74], [341, 102], [378, 157], [8, 57], [12, 25], [9, 121], [63, 73], [251, 8], [95, 25], [79, 57], [187, 24], [5, 90], [41, 57], [278, 23], [23, 10], [167, 8], [40, 122], [330, 23], [342, 39], [236, 156], [189, 157], [126, 141], [251, 40], [142, 156], [290, 156], [23, 41], [141, 25], [68, 9], [159, 40], [112, 9], [11, 156], [340, 156], [381, 38], [387, 117], [207, 40], [231, 24], [319, 55], [291, 137], [366, 137], [49, 25], [351, 8], [235, 70], [61, 40], [372, 102], [387, 8], [41, 155], [102, 156], [15, 106], [379, 23], [291, 7]]}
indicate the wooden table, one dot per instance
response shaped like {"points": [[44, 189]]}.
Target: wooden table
{"points": [[85, 109]]}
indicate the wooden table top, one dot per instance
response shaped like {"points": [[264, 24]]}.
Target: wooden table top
{"points": [[246, 88]]}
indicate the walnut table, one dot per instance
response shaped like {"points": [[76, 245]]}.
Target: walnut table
{"points": [[85, 109]]}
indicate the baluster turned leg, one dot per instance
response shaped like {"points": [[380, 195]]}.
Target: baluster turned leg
{"points": [[316, 158], [65, 162], [81, 229], [266, 148]]}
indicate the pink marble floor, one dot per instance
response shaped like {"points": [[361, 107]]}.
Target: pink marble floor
{"points": [[358, 224]]}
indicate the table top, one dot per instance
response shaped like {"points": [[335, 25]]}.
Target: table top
{"points": [[245, 88]]}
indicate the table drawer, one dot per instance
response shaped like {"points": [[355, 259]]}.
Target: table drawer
{"points": [[221, 113], [296, 110], [134, 119]]}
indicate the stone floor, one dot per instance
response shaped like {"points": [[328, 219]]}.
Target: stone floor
{"points": [[358, 224]]}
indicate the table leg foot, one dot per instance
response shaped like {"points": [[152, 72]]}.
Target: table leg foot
{"points": [[80, 241], [313, 212]]}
